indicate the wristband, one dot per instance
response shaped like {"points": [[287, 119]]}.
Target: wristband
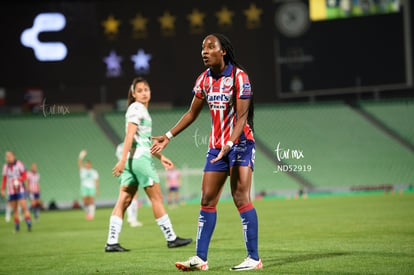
{"points": [[169, 135], [229, 143]]}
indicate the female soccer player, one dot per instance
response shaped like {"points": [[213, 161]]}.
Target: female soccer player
{"points": [[136, 167], [34, 190], [89, 185], [226, 88], [173, 177], [14, 175]]}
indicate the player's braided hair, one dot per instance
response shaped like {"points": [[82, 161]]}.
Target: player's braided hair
{"points": [[230, 57], [136, 80]]}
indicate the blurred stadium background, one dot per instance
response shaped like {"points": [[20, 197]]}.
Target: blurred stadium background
{"points": [[333, 83]]}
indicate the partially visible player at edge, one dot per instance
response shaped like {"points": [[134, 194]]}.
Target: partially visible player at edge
{"points": [[14, 175], [226, 88], [33, 186], [89, 178], [136, 167]]}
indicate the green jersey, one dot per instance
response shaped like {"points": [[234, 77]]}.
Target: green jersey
{"points": [[138, 114]]}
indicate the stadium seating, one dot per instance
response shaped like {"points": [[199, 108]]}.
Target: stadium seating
{"points": [[341, 147], [396, 114], [54, 143]]}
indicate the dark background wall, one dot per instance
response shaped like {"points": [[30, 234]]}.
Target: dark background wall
{"points": [[344, 53]]}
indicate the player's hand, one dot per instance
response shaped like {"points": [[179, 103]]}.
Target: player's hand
{"points": [[118, 169], [158, 144], [224, 151], [167, 163], [82, 154], [3, 193]]}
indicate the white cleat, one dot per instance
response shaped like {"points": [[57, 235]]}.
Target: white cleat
{"points": [[193, 263], [248, 264]]}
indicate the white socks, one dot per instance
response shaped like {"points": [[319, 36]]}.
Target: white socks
{"points": [[166, 227], [132, 211], [91, 210], [115, 226], [9, 210]]}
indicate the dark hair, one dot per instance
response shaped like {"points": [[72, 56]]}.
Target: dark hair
{"points": [[135, 81], [230, 57]]}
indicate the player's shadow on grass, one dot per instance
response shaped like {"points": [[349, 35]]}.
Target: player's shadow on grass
{"points": [[278, 261]]}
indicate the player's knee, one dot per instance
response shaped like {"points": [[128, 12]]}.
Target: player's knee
{"points": [[157, 198], [240, 198], [208, 201]]}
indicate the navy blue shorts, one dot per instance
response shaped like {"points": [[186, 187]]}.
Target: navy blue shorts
{"points": [[241, 154], [18, 196], [172, 189], [34, 196]]}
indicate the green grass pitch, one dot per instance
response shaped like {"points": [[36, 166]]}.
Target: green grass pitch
{"points": [[367, 234]]}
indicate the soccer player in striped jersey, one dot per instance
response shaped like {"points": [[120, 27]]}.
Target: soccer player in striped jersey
{"points": [[33, 186], [173, 177], [225, 86], [136, 168], [14, 175]]}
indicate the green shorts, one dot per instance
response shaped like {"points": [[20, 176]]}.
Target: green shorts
{"points": [[139, 172], [88, 192]]}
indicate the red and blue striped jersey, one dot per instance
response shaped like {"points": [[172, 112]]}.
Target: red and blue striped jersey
{"points": [[218, 92], [14, 176], [33, 181]]}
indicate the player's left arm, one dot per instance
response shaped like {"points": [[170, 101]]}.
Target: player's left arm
{"points": [[97, 187], [166, 162], [23, 176], [3, 186], [96, 178]]}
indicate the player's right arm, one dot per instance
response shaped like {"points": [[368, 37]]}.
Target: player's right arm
{"points": [[27, 182], [160, 142], [129, 137], [3, 182], [82, 155], [3, 186]]}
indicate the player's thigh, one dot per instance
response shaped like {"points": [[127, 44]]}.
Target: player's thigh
{"points": [[126, 193], [13, 204], [211, 186], [22, 203]]}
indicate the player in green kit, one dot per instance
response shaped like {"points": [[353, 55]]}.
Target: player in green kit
{"points": [[136, 168], [89, 185]]}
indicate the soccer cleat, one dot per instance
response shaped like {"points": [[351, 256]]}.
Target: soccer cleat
{"points": [[248, 264], [193, 263], [179, 242], [115, 248]]}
